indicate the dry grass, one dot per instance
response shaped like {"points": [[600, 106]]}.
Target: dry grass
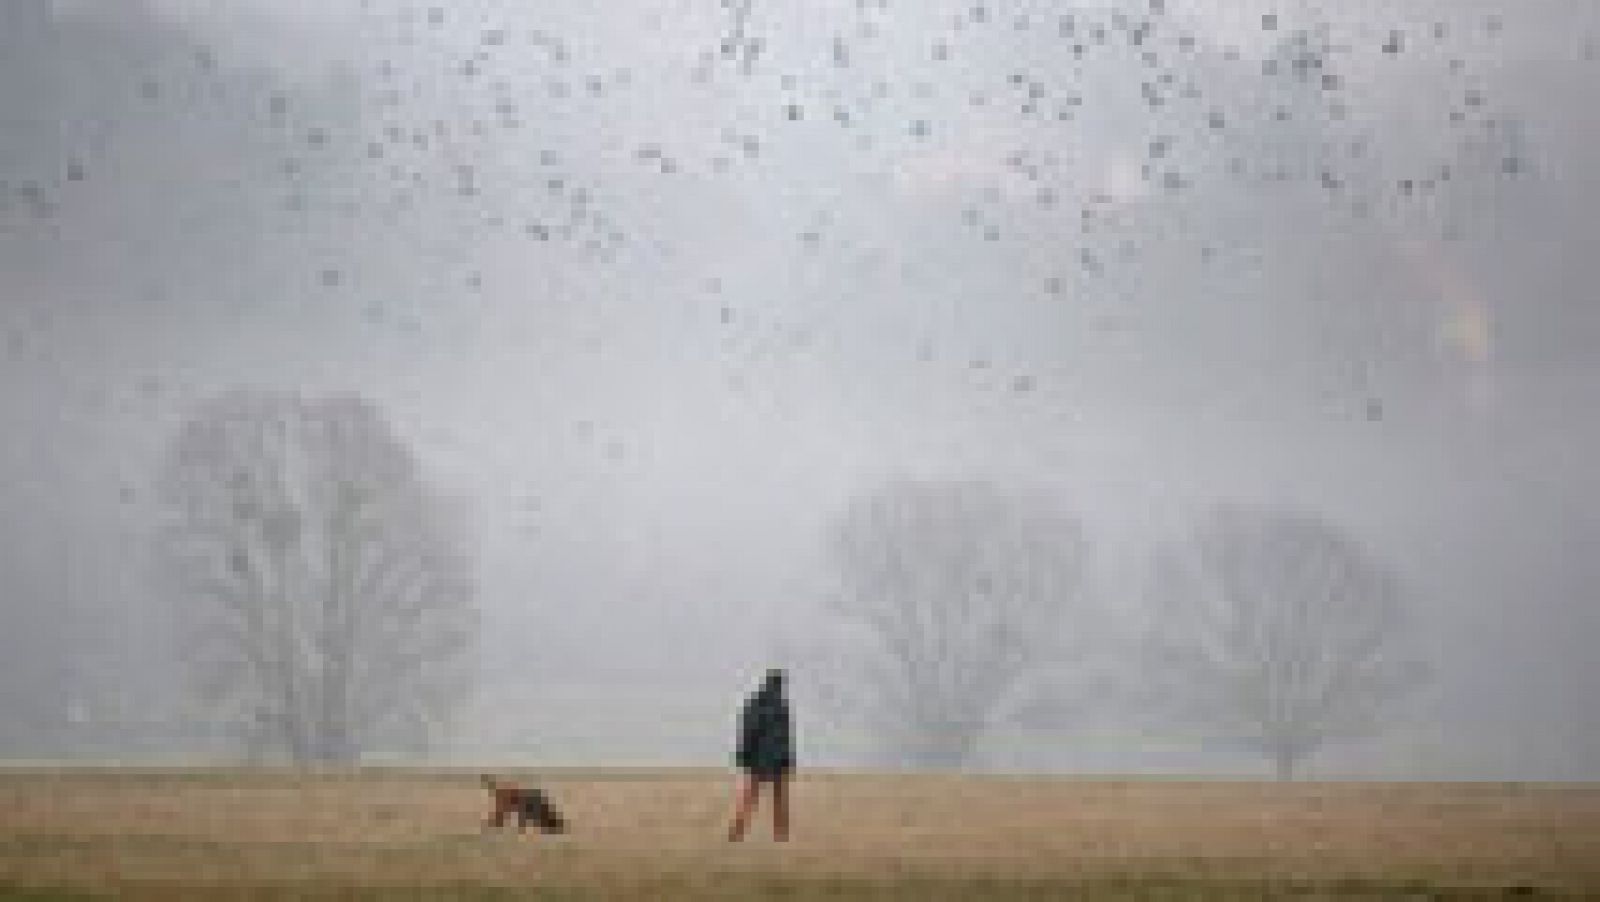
{"points": [[659, 835]]}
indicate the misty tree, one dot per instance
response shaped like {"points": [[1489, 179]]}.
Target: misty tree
{"points": [[1274, 631], [326, 606], [957, 591]]}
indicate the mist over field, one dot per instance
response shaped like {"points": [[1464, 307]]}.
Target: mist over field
{"points": [[670, 340]]}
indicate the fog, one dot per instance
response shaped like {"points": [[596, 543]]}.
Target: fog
{"points": [[653, 289]]}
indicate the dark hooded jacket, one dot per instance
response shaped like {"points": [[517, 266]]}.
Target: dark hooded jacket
{"points": [[766, 743]]}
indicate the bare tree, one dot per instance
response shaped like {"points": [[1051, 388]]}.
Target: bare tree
{"points": [[327, 608], [956, 590], [1273, 630]]}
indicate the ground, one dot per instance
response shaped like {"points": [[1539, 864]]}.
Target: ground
{"points": [[657, 835]]}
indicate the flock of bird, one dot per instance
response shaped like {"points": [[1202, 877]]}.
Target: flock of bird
{"points": [[485, 127]]}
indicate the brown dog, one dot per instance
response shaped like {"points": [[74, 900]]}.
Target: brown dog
{"points": [[527, 804]]}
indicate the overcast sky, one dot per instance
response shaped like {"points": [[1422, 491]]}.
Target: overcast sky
{"points": [[652, 287]]}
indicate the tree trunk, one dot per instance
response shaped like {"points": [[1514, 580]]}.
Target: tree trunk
{"points": [[1285, 762]]}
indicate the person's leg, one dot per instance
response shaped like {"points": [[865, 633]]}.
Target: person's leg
{"points": [[780, 808], [744, 807]]}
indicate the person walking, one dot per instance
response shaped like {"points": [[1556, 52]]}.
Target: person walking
{"points": [[766, 755]]}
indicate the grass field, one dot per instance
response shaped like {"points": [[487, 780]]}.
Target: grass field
{"points": [[659, 835]]}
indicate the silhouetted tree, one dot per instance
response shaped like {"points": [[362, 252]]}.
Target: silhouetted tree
{"points": [[1273, 630], [957, 589], [327, 611]]}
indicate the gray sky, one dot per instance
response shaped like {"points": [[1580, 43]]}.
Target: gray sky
{"points": [[653, 314]]}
